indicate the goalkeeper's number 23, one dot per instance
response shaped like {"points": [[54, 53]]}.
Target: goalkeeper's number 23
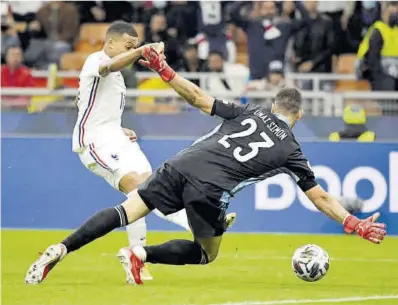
{"points": [[255, 146]]}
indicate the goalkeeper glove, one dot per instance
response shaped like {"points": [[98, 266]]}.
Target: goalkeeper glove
{"points": [[156, 61], [366, 228]]}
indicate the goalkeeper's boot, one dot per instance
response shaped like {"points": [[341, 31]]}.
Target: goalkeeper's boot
{"points": [[39, 270], [230, 220], [132, 264]]}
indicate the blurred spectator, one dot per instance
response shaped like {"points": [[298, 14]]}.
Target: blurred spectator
{"points": [[191, 62], [313, 46], [182, 17], [25, 11], [9, 35], [104, 11], [60, 24], [274, 81], [355, 118], [157, 31], [365, 13], [234, 79], [14, 74], [378, 52], [267, 35], [212, 29], [339, 13]]}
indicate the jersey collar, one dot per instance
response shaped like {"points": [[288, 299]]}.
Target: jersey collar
{"points": [[283, 118]]}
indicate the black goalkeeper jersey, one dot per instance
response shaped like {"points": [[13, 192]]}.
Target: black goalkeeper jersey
{"points": [[250, 145]]}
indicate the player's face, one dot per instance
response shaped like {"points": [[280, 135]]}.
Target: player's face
{"points": [[123, 43]]}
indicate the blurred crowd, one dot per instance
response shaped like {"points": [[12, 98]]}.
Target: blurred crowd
{"points": [[279, 37]]}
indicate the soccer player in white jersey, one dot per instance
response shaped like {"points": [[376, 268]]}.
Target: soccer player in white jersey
{"points": [[103, 146], [106, 148]]}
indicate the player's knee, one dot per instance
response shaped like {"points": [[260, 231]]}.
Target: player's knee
{"points": [[130, 181], [211, 256]]}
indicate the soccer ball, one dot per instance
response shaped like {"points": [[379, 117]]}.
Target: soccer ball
{"points": [[310, 263]]}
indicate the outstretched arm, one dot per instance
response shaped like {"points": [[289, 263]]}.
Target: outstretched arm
{"points": [[123, 60], [191, 93], [366, 228], [327, 204]]}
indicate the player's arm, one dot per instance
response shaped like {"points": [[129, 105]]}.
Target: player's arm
{"points": [[121, 61], [326, 203], [191, 93], [367, 228]]}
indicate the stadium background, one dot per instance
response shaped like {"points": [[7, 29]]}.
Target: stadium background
{"points": [[44, 186]]}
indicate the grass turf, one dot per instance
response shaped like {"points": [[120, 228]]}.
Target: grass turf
{"points": [[251, 267]]}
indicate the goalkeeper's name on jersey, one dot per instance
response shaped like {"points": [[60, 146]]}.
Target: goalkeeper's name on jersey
{"points": [[275, 129]]}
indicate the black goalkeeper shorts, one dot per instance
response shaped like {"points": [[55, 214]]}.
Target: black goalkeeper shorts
{"points": [[169, 192]]}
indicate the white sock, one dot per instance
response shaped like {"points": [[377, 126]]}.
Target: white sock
{"points": [[179, 218], [136, 232], [140, 252]]}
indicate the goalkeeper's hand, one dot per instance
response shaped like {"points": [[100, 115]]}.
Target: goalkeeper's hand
{"points": [[366, 228], [156, 61]]}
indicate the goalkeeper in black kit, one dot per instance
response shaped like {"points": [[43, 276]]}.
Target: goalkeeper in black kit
{"points": [[250, 145]]}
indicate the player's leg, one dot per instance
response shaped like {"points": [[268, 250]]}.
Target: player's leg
{"points": [[97, 226], [211, 245], [137, 161], [136, 231], [134, 169], [206, 217], [201, 251]]}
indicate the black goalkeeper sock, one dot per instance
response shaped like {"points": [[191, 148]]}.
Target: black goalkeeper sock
{"points": [[176, 252], [100, 224]]}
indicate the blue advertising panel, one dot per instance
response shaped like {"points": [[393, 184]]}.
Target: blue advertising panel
{"points": [[44, 185]]}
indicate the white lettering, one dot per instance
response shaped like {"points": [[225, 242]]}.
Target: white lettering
{"points": [[263, 200], [334, 185]]}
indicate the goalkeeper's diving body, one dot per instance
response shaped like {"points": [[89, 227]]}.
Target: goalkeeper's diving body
{"points": [[250, 145]]}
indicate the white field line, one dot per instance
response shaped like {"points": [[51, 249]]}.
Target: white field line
{"points": [[316, 301], [282, 258]]}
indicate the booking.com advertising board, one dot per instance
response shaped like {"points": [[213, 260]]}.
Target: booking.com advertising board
{"points": [[44, 185]]}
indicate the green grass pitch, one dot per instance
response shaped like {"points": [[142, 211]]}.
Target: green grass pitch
{"points": [[252, 269]]}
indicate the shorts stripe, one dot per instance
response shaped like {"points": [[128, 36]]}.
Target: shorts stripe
{"points": [[97, 159], [87, 112]]}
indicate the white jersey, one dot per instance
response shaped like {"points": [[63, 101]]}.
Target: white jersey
{"points": [[101, 103]]}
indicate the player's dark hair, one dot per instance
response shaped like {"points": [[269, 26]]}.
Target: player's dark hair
{"points": [[120, 28], [288, 99]]}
